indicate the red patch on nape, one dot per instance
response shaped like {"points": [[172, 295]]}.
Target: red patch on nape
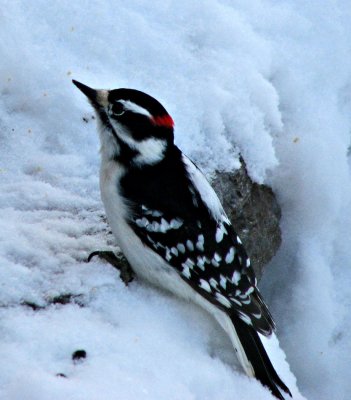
{"points": [[164, 121]]}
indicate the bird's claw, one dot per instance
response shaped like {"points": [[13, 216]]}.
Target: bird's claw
{"points": [[120, 263]]}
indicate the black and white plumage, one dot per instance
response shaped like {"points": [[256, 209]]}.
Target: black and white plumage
{"points": [[171, 226]]}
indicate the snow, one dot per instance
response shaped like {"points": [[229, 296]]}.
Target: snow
{"points": [[270, 80]]}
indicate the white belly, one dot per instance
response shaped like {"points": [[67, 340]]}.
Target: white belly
{"points": [[147, 264]]}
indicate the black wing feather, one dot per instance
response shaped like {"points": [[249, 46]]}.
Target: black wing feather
{"points": [[206, 252]]}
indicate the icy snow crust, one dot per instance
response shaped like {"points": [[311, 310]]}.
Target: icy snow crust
{"points": [[267, 79]]}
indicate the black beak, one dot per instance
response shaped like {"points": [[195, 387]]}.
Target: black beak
{"points": [[89, 92]]}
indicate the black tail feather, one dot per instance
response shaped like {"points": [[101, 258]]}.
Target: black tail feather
{"points": [[256, 354]]}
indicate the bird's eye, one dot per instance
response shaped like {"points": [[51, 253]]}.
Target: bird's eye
{"points": [[117, 109]]}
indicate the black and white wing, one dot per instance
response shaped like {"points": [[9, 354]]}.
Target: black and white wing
{"points": [[199, 241]]}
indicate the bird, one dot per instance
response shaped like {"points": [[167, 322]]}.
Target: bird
{"points": [[171, 226]]}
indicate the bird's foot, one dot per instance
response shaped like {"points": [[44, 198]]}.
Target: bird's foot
{"points": [[126, 272]]}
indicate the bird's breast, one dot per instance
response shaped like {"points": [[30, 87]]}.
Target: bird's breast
{"points": [[111, 173], [145, 262]]}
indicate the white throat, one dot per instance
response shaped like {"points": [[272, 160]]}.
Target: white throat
{"points": [[109, 146]]}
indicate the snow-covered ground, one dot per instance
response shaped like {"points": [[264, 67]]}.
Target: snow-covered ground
{"points": [[268, 79]]}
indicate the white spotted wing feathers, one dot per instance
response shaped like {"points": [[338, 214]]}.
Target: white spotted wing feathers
{"points": [[205, 251]]}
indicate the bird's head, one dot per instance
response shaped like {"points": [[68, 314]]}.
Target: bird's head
{"points": [[134, 127]]}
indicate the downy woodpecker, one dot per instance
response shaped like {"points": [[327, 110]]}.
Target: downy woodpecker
{"points": [[171, 226]]}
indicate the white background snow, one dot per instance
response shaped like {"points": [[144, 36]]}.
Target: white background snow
{"points": [[268, 79]]}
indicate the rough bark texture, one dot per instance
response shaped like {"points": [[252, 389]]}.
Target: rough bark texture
{"points": [[254, 213]]}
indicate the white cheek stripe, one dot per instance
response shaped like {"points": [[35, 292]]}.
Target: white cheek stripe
{"points": [[151, 151], [130, 106]]}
